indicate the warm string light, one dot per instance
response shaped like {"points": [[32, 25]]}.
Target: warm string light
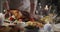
{"points": [[46, 7]]}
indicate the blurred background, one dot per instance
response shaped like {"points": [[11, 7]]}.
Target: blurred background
{"points": [[32, 10]]}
